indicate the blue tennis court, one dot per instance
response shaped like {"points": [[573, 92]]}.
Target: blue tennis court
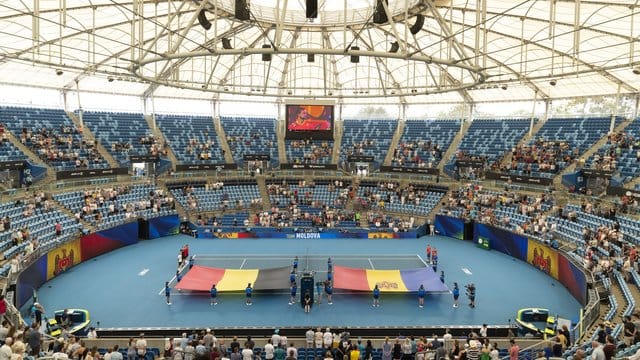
{"points": [[124, 288]]}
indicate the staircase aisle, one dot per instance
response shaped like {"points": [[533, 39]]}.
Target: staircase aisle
{"points": [[222, 140], [90, 137], [394, 142], [454, 146]]}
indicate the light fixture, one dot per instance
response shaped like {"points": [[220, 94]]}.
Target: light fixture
{"points": [[394, 47], [636, 70], [59, 72], [504, 87], [553, 82], [226, 43], [110, 79]]}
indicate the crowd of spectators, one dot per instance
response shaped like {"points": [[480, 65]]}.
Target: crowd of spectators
{"points": [[421, 154], [472, 201], [617, 143], [63, 144], [386, 192], [153, 146], [545, 154], [313, 153], [254, 139], [201, 150], [226, 203], [111, 198], [303, 193]]}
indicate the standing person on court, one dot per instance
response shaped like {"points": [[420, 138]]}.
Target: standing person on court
{"points": [[295, 265], [471, 294], [294, 289], [428, 252], [167, 292], [421, 293], [292, 278], [328, 289], [248, 291], [214, 295], [456, 294], [329, 265], [319, 285], [307, 302], [442, 276], [376, 296]]}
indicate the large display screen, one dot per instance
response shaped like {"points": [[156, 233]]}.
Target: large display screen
{"points": [[313, 121]]}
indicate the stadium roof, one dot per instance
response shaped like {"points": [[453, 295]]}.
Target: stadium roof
{"points": [[466, 50]]}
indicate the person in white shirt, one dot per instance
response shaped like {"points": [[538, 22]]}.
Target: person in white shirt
{"points": [[483, 331], [327, 339], [268, 350], [141, 346], [292, 349], [247, 353], [275, 338], [318, 338], [5, 350], [309, 336], [116, 354]]}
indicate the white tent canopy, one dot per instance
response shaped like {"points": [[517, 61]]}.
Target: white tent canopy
{"points": [[466, 50]]}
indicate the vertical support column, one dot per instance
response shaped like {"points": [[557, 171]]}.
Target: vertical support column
{"points": [[612, 125], [79, 105], [636, 108], [547, 108], [533, 113], [153, 113]]}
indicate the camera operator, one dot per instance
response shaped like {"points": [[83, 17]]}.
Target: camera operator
{"points": [[471, 294]]}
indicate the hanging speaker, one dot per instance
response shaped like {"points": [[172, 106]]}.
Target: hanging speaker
{"points": [[242, 10], [226, 43], [202, 19], [266, 57], [312, 9], [311, 57], [379, 15], [394, 47], [355, 58], [417, 26]]}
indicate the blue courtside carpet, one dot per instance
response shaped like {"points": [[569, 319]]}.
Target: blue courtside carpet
{"points": [[123, 288]]}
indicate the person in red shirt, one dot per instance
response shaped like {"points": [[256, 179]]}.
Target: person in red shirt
{"points": [[514, 350]]}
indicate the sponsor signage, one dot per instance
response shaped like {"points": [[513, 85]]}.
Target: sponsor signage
{"points": [[620, 191], [205, 167], [593, 173], [308, 167], [360, 158], [470, 163], [144, 158], [410, 170], [12, 165], [518, 178], [256, 157], [86, 173]]}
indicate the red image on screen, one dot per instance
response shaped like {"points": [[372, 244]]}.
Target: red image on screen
{"points": [[309, 117]]}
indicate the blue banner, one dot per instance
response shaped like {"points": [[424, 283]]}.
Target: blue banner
{"points": [[504, 241], [164, 226], [449, 226]]}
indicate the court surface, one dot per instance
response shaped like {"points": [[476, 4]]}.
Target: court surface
{"points": [[123, 288]]}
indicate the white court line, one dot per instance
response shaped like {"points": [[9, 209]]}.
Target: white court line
{"points": [[243, 262], [371, 264], [467, 271], [170, 281], [422, 260]]}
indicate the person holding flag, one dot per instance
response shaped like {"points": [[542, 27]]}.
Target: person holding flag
{"points": [[421, 293]]}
